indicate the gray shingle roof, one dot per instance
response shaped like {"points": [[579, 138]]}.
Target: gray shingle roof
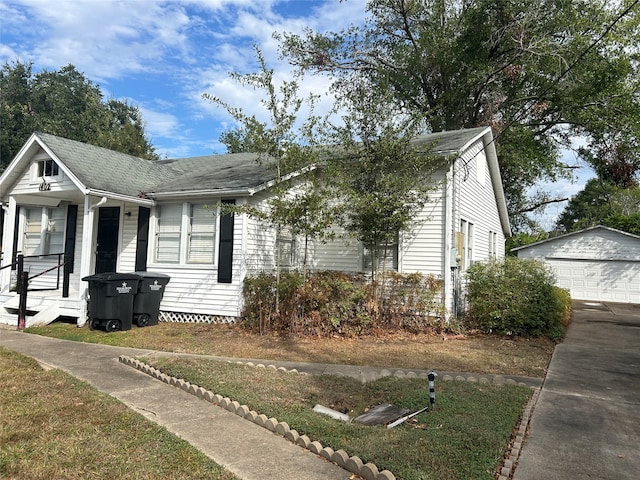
{"points": [[449, 142], [106, 170], [234, 171], [99, 168]]}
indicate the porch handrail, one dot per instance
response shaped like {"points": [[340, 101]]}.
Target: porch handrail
{"points": [[19, 263]]}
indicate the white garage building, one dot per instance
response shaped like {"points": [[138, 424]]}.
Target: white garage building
{"points": [[597, 263]]}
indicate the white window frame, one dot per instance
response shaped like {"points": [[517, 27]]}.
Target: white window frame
{"points": [[286, 248], [493, 244], [388, 260], [184, 232], [467, 229], [47, 168], [46, 231]]}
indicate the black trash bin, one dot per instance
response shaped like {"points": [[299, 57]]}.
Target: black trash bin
{"points": [[111, 298], [146, 305]]}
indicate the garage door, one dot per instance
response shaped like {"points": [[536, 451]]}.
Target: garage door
{"points": [[612, 281]]}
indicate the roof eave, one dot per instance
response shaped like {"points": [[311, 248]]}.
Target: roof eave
{"points": [[576, 232], [488, 145], [222, 192]]}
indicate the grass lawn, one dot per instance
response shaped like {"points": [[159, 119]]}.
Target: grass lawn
{"points": [[465, 437], [53, 426], [459, 353]]}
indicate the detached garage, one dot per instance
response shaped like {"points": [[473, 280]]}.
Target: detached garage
{"points": [[597, 263]]}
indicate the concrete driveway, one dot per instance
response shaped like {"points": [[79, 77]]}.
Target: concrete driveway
{"points": [[586, 423]]}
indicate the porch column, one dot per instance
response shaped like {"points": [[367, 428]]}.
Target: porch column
{"points": [[86, 258], [7, 244]]}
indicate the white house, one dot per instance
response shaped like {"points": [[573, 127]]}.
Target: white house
{"points": [[106, 211], [598, 263]]}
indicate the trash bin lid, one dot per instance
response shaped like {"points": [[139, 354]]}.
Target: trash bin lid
{"points": [[152, 275], [111, 277]]}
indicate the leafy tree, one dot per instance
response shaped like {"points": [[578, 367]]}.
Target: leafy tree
{"points": [[602, 203], [537, 71], [615, 159], [285, 147], [588, 207], [523, 238], [381, 178], [64, 103], [626, 223]]}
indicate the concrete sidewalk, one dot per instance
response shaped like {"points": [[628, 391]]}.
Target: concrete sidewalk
{"points": [[246, 449], [586, 422]]}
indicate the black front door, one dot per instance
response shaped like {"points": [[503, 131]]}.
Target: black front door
{"points": [[107, 239]]}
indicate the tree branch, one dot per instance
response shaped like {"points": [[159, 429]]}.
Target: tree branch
{"points": [[536, 206]]}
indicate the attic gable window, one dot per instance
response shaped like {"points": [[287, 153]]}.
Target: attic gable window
{"points": [[48, 168]]}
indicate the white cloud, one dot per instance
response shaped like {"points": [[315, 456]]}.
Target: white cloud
{"points": [[160, 124], [136, 48], [105, 39]]}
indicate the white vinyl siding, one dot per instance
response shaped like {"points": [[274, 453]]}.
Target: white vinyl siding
{"points": [[477, 204], [30, 181], [422, 249], [342, 253], [196, 290]]}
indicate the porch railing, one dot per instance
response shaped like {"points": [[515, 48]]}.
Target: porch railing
{"points": [[22, 284], [61, 267]]}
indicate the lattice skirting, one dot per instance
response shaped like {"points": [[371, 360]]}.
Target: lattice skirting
{"points": [[183, 317]]}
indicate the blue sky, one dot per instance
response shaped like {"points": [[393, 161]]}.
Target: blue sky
{"points": [[163, 55]]}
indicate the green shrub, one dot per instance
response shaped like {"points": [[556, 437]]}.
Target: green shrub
{"points": [[516, 297]]}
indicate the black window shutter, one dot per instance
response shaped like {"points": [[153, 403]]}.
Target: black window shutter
{"points": [[225, 250], [70, 237], [143, 239]]}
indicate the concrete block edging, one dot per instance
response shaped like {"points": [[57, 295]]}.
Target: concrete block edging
{"points": [[352, 464]]}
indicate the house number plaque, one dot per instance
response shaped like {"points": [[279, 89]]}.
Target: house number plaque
{"points": [[44, 187]]}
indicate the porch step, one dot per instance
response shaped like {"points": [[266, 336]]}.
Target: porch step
{"points": [[13, 303], [7, 318], [44, 317]]}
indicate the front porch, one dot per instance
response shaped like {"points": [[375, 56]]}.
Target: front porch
{"points": [[43, 307]]}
